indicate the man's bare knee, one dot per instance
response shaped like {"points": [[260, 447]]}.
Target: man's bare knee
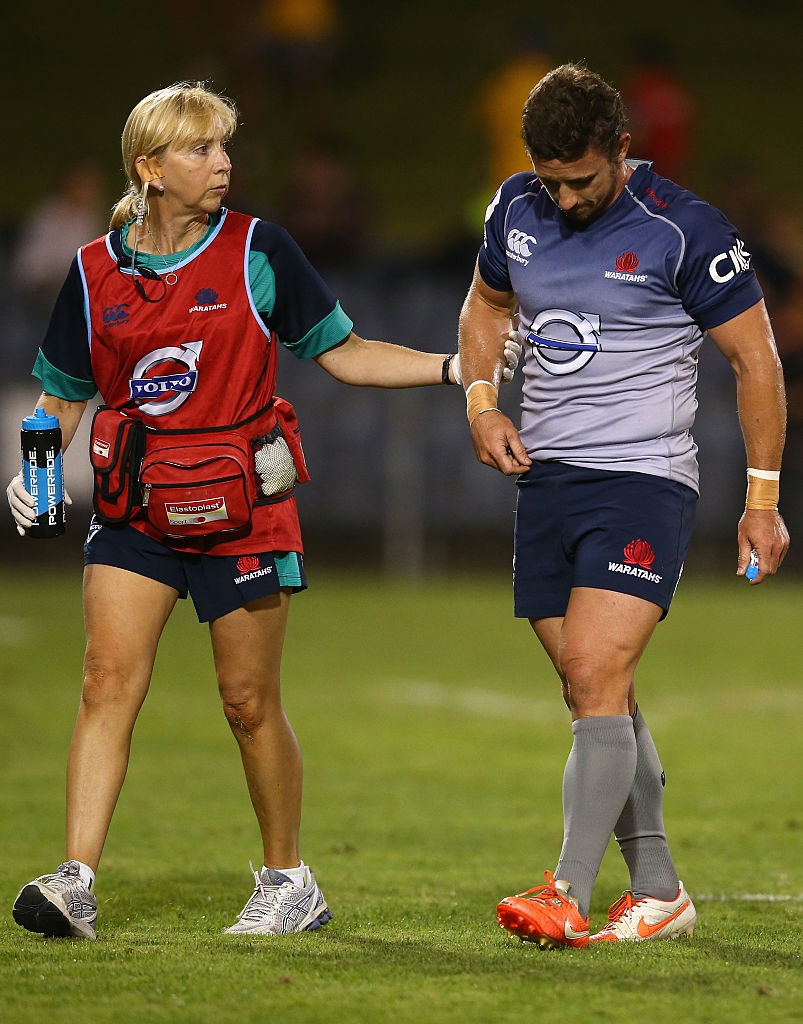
{"points": [[582, 683], [594, 688]]}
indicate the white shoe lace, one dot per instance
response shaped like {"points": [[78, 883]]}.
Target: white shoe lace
{"points": [[263, 900]]}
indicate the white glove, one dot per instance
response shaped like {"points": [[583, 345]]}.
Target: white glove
{"points": [[22, 504], [457, 373], [512, 356]]}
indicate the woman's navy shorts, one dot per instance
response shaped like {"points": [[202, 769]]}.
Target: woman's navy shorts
{"points": [[217, 583], [576, 527]]}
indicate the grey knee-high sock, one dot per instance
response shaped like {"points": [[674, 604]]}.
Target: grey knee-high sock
{"points": [[598, 777], [640, 829]]}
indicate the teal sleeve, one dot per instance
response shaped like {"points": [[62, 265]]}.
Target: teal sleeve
{"points": [[329, 332], [324, 335], [61, 385]]}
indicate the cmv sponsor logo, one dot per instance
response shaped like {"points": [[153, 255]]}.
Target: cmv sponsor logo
{"points": [[727, 265]]}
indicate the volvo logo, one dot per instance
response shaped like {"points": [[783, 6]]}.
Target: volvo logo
{"points": [[158, 393], [562, 341]]}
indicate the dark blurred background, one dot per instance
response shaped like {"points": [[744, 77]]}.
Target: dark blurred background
{"points": [[377, 134]]}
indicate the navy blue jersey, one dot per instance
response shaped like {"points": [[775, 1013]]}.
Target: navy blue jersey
{"points": [[612, 317]]}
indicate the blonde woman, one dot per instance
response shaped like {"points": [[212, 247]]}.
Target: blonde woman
{"points": [[174, 317]]}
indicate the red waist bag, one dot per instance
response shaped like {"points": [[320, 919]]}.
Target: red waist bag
{"points": [[186, 482], [200, 484]]}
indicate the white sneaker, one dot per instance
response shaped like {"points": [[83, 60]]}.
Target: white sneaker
{"points": [[58, 905], [631, 920], [278, 907]]}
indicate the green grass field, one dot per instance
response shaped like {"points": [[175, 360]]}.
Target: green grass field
{"points": [[434, 743]]}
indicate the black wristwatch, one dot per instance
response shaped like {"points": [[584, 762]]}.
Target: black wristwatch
{"points": [[447, 362]]}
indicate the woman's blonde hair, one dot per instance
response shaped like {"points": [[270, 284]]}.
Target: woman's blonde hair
{"points": [[176, 116]]}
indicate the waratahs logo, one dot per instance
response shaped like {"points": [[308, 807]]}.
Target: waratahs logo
{"points": [[637, 560], [164, 379], [247, 563], [249, 567], [639, 552], [627, 262], [205, 301]]}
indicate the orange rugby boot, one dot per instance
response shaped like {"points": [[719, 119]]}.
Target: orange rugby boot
{"points": [[546, 915]]}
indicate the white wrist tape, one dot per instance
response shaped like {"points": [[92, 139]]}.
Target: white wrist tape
{"points": [[484, 399], [476, 382]]}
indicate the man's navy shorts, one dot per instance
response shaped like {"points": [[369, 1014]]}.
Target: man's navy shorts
{"points": [[576, 527], [218, 584]]}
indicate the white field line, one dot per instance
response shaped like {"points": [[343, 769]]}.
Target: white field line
{"points": [[748, 897], [427, 693], [475, 701]]}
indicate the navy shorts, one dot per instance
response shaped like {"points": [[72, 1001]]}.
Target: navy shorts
{"points": [[218, 584], [576, 527]]}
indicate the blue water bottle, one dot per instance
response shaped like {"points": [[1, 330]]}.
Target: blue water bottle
{"points": [[42, 473]]}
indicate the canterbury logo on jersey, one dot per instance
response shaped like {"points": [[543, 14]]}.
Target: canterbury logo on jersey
{"points": [[518, 246], [115, 314]]}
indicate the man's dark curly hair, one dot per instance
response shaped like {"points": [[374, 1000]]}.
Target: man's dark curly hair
{"points": [[570, 110]]}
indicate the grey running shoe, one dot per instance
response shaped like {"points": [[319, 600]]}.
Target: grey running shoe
{"points": [[58, 905], [277, 907]]}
